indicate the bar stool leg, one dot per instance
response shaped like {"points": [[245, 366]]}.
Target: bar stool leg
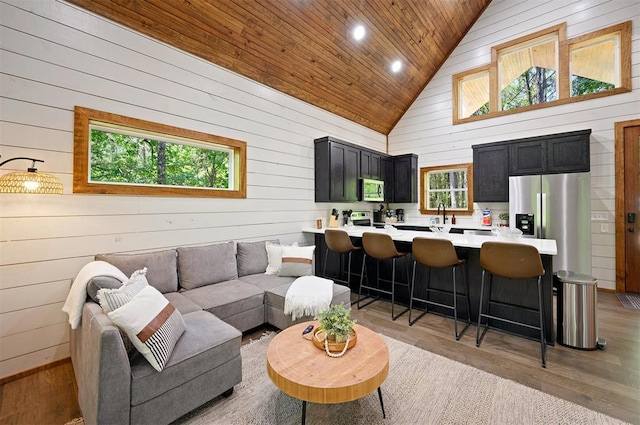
{"points": [[478, 338], [393, 291], [411, 322], [411, 290], [466, 288], [349, 270], [362, 273], [543, 342], [326, 258], [455, 308]]}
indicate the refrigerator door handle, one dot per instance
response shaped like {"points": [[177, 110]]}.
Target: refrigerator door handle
{"points": [[543, 216], [538, 216]]}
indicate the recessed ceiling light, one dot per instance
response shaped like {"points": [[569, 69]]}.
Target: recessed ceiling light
{"points": [[396, 66], [359, 32]]}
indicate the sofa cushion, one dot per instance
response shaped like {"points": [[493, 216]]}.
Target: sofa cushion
{"points": [[266, 281], [252, 257], [161, 267], [297, 261], [207, 343], [152, 323], [228, 298], [204, 265], [275, 296], [183, 304], [101, 282]]}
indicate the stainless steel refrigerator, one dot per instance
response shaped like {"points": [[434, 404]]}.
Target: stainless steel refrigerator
{"points": [[555, 206]]}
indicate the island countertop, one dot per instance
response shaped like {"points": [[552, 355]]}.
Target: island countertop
{"points": [[544, 246]]}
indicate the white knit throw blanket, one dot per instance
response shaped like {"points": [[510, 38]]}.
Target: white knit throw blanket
{"points": [[308, 296], [78, 292]]}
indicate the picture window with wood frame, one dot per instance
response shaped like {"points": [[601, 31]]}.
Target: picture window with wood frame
{"points": [[448, 185], [114, 154]]}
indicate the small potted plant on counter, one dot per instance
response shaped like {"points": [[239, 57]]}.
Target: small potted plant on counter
{"points": [[335, 331], [504, 219]]}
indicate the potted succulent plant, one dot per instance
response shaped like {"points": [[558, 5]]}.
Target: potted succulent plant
{"points": [[335, 331], [504, 219]]}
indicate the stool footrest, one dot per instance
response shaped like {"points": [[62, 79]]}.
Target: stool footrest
{"points": [[513, 322]]}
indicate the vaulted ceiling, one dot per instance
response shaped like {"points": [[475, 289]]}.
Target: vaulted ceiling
{"points": [[306, 48]]}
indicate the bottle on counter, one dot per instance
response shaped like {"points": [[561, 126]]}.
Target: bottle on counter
{"points": [[453, 219]]}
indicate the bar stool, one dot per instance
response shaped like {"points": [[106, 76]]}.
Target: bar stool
{"points": [[339, 242], [439, 254], [512, 261], [380, 246]]}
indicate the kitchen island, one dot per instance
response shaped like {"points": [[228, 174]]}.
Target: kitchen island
{"points": [[506, 292]]}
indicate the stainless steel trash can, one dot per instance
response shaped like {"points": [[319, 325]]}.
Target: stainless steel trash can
{"points": [[577, 301]]}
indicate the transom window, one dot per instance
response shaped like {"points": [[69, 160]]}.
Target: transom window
{"points": [[528, 73], [450, 185], [545, 69]]}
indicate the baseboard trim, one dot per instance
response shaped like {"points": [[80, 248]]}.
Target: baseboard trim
{"points": [[611, 291], [28, 372]]}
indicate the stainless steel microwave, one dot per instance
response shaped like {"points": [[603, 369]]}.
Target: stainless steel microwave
{"points": [[372, 190]]}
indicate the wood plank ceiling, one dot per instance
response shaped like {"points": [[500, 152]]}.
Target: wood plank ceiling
{"points": [[305, 48]]}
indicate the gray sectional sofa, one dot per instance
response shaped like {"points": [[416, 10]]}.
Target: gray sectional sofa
{"points": [[221, 291]]}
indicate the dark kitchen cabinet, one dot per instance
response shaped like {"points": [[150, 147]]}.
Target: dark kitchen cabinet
{"points": [[337, 168], [491, 173], [493, 163], [386, 164], [370, 165], [526, 158], [569, 153], [550, 154], [405, 179]]}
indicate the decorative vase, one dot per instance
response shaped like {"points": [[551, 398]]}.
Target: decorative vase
{"points": [[320, 336]]}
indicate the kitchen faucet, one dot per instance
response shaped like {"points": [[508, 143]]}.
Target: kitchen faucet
{"points": [[444, 212]]}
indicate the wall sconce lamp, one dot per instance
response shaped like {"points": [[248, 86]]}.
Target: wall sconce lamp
{"points": [[29, 181]]}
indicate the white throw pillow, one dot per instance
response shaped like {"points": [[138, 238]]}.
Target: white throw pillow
{"points": [[274, 256], [297, 261], [152, 324]]}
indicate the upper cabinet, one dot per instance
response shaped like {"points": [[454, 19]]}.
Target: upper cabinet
{"points": [[371, 165], [337, 168], [493, 163], [491, 173], [569, 153], [387, 175], [550, 154], [405, 179], [340, 165]]}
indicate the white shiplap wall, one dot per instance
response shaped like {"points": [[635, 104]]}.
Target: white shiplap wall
{"points": [[55, 56], [426, 128]]}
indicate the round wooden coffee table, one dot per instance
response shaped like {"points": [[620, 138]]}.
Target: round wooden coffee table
{"points": [[305, 372]]}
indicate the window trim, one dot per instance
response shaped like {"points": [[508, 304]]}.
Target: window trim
{"points": [[424, 200], [83, 118], [564, 95]]}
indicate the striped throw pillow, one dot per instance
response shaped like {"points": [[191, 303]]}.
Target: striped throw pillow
{"points": [[111, 299], [297, 261], [153, 325]]}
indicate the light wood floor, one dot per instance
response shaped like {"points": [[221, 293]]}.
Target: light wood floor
{"points": [[606, 381]]}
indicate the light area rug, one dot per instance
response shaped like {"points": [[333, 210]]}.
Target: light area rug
{"points": [[421, 388]]}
